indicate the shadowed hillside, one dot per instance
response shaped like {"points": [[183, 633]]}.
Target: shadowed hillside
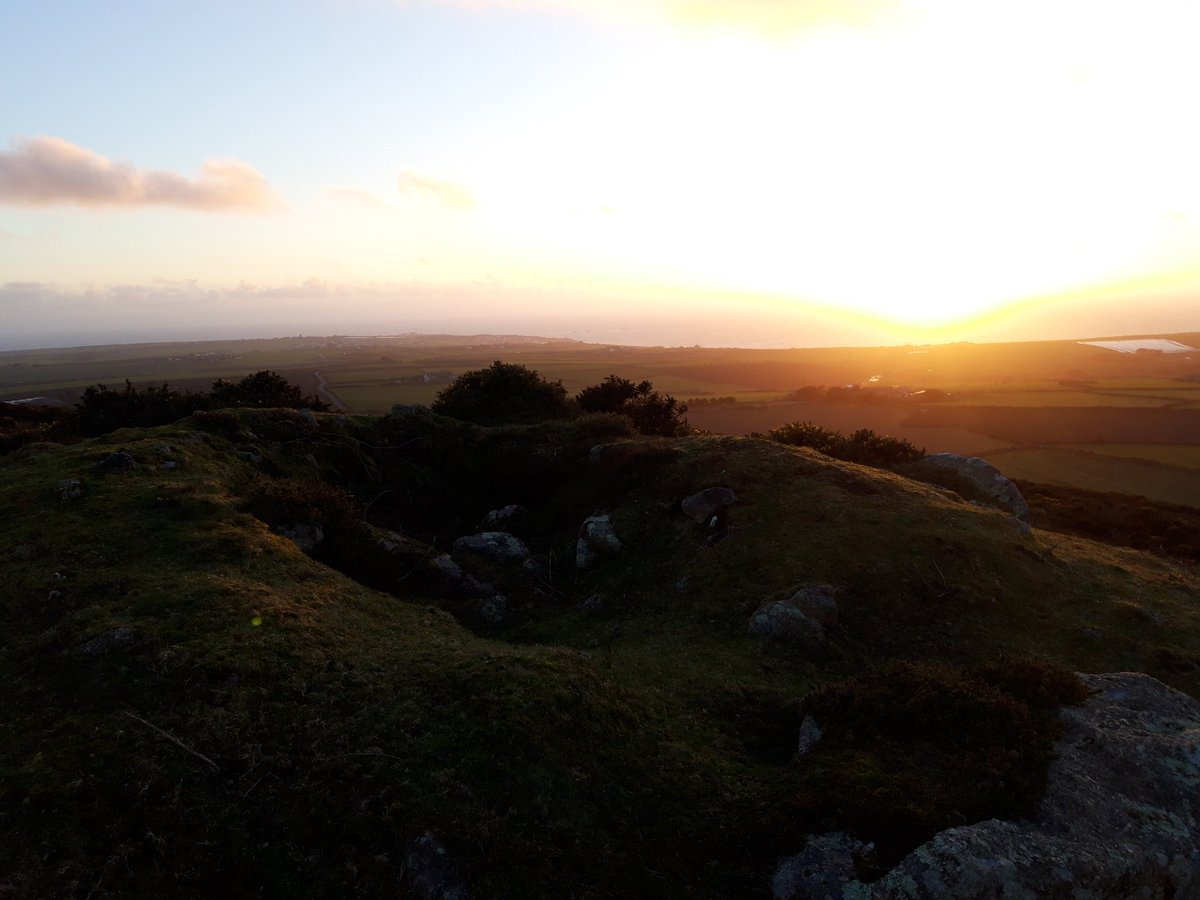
{"points": [[195, 705]]}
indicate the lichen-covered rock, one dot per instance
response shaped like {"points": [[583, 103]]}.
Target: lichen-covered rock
{"points": [[818, 602], [498, 546], [429, 873], [69, 489], [701, 507], [783, 620], [115, 641], [986, 478], [597, 538], [821, 869], [119, 461], [505, 515], [1120, 818]]}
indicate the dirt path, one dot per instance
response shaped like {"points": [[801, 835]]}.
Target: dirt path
{"points": [[330, 397]]}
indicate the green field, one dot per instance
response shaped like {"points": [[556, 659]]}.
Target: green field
{"points": [[1184, 457], [1100, 472]]}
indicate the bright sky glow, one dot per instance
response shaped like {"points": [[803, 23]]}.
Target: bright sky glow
{"points": [[922, 165]]}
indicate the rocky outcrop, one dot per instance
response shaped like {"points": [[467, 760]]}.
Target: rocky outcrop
{"points": [[69, 489], [117, 640], [597, 538], [497, 546], [985, 478], [1120, 819], [702, 506]]}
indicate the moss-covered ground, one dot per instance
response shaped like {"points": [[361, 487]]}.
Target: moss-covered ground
{"points": [[268, 725]]}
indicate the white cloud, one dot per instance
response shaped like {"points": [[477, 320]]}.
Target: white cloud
{"points": [[358, 197], [49, 171], [426, 190]]}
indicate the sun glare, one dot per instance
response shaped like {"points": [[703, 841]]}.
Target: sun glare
{"points": [[927, 172]]}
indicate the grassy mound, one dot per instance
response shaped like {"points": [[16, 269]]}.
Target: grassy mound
{"points": [[193, 703]]}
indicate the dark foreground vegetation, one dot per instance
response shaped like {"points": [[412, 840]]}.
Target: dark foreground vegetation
{"points": [[252, 657]]}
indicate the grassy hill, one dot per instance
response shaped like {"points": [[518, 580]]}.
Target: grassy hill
{"points": [[193, 706]]}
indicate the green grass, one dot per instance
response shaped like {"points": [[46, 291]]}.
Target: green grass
{"points": [[281, 729]]}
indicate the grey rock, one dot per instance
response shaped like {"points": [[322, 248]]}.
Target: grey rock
{"points": [[782, 620], [429, 873], [821, 869], [1120, 817], [593, 603], [505, 515], [170, 464], [69, 489], [400, 410], [810, 735], [597, 538], [494, 610], [458, 581], [117, 640], [251, 456], [702, 506], [308, 417], [818, 602], [305, 535], [986, 478], [119, 461], [498, 546]]}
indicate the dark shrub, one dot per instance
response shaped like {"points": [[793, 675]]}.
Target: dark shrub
{"points": [[503, 393], [648, 410], [863, 446], [101, 409], [912, 748], [261, 390]]}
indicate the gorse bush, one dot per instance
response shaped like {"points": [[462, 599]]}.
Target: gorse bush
{"points": [[102, 409], [648, 410], [863, 446], [503, 394]]}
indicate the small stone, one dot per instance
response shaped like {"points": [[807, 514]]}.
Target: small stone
{"points": [[119, 461], [494, 609], [69, 489], [702, 506], [810, 734], [499, 546], [783, 621], [817, 602], [505, 515], [593, 603], [115, 641], [429, 873], [305, 535], [597, 538]]}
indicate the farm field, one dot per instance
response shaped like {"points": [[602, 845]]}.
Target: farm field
{"points": [[1055, 411], [1100, 472], [1179, 456]]}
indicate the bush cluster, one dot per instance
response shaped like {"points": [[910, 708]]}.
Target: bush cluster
{"points": [[102, 409], [863, 446], [511, 394]]}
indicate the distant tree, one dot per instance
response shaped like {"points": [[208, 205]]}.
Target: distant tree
{"points": [[261, 390], [503, 393], [648, 410]]}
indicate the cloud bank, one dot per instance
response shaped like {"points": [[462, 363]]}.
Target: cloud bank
{"points": [[49, 171]]}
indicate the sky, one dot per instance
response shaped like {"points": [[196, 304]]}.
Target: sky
{"points": [[717, 172]]}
